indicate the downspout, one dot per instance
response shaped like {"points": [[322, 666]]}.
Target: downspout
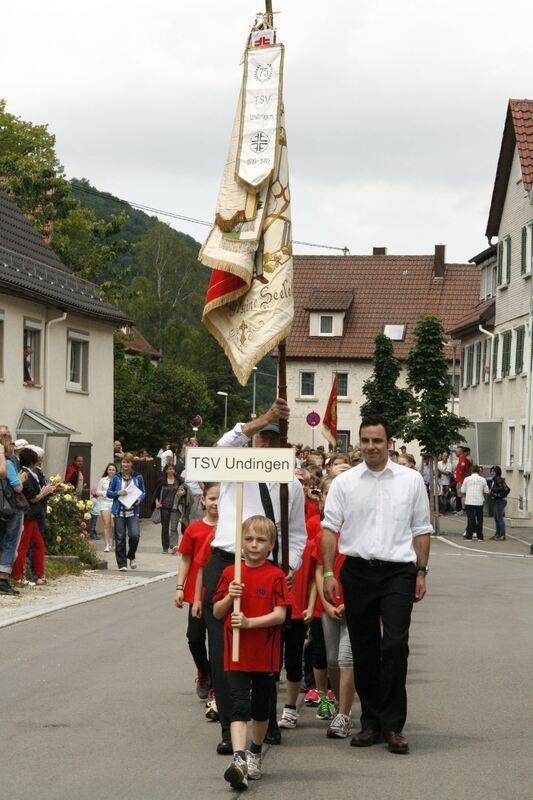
{"points": [[491, 384], [47, 327]]}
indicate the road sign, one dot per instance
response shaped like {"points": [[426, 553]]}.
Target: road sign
{"points": [[313, 419]]}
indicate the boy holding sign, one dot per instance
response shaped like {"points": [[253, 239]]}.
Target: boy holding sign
{"points": [[263, 594]]}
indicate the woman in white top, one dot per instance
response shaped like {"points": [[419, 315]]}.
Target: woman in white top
{"points": [[105, 504]]}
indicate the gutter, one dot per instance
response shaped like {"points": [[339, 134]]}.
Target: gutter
{"points": [[47, 327], [491, 383]]}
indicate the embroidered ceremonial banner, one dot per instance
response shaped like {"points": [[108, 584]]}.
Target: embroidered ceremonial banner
{"points": [[249, 303], [329, 426]]}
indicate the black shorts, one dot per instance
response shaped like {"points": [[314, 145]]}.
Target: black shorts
{"points": [[249, 695]]}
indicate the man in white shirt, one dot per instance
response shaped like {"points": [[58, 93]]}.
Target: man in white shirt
{"points": [[264, 431], [445, 472], [474, 488], [382, 512]]}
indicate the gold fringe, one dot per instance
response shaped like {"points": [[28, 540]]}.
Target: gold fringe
{"points": [[225, 266]]}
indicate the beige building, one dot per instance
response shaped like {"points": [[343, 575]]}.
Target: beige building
{"points": [[341, 304], [56, 351], [496, 379]]}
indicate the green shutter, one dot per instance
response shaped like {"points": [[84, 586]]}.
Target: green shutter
{"points": [[506, 353], [508, 261], [523, 252], [519, 359], [477, 372], [495, 356], [469, 364], [500, 257], [463, 356]]}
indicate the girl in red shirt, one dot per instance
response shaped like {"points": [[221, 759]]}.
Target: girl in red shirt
{"points": [[194, 537], [263, 593]]}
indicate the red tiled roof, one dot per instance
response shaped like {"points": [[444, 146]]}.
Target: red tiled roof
{"points": [[518, 130], [330, 300], [476, 316], [134, 342], [388, 290]]}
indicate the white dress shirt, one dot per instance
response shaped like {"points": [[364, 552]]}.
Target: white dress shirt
{"points": [[378, 513], [474, 487], [446, 470], [252, 505]]}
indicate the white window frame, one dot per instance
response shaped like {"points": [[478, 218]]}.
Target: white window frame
{"points": [[529, 248], [476, 348], [300, 382], [394, 335], [522, 444], [505, 242], [79, 338], [342, 372], [486, 366], [35, 328], [326, 333], [511, 444]]}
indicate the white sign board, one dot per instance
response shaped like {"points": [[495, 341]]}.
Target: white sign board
{"points": [[236, 464]]}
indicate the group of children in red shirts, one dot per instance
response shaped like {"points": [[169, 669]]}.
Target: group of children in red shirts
{"points": [[264, 597]]}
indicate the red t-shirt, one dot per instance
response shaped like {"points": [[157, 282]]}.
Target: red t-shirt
{"points": [[312, 509], [313, 526], [463, 468], [337, 564], [195, 536], [265, 587], [300, 587]]}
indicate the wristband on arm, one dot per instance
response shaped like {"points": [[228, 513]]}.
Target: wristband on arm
{"points": [[329, 574]]}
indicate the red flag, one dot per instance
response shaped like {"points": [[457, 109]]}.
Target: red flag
{"points": [[329, 426]]}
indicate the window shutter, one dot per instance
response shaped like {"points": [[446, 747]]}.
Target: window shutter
{"points": [[508, 260], [500, 257], [477, 373], [519, 359], [495, 356], [523, 253], [463, 356], [506, 353]]}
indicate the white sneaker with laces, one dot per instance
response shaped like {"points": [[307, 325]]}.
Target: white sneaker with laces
{"points": [[123, 569], [237, 773], [254, 763], [340, 728], [133, 563], [289, 718]]}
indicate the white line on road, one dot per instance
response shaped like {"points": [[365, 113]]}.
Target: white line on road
{"points": [[484, 552]]}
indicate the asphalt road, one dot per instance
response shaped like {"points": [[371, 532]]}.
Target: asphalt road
{"points": [[97, 702]]}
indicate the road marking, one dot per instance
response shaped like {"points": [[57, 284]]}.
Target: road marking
{"points": [[487, 552], [510, 536]]}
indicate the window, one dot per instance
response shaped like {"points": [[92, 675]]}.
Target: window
{"points": [[506, 353], [526, 257], [496, 355], [395, 332], [454, 384], [519, 353], [487, 282], [342, 384], [469, 364], [307, 384], [77, 361], [31, 357], [477, 364], [326, 325], [504, 261], [1, 345], [486, 360], [510, 443], [522, 450]]}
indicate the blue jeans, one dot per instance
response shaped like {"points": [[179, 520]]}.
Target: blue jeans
{"points": [[9, 541], [92, 526], [131, 526], [499, 511]]}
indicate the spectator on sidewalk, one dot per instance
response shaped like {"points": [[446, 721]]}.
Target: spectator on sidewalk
{"points": [[499, 491], [474, 488], [445, 474], [74, 475], [462, 470], [105, 505], [11, 529]]}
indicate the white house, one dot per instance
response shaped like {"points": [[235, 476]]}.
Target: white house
{"points": [[341, 304], [56, 350], [496, 382]]}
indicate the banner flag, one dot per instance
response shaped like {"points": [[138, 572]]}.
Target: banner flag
{"points": [[329, 426], [249, 303]]}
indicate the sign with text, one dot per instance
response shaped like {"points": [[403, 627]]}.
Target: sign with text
{"points": [[236, 464]]}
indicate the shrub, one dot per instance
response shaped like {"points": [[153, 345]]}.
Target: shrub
{"points": [[66, 525]]}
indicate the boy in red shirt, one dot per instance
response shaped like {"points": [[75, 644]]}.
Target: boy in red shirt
{"points": [[195, 535], [263, 592]]}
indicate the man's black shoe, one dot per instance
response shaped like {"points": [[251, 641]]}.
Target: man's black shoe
{"points": [[366, 738], [225, 748], [273, 737], [6, 588]]}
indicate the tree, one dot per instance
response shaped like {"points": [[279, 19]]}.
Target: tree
{"points": [[430, 421], [383, 395]]}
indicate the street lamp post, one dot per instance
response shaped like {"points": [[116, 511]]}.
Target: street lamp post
{"points": [[225, 396], [254, 415]]}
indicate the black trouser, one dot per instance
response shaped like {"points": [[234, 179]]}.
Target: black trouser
{"points": [[215, 636], [293, 649], [249, 695], [196, 633], [379, 594], [474, 521], [318, 644]]}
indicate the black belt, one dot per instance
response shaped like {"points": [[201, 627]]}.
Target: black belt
{"points": [[375, 562], [225, 555]]}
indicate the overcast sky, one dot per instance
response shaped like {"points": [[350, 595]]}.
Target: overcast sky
{"points": [[394, 110]]}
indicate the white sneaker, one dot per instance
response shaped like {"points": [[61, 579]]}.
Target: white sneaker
{"points": [[340, 728], [254, 763], [123, 569], [289, 718], [133, 563], [237, 773], [107, 549]]}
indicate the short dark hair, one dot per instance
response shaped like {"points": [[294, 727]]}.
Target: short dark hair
{"points": [[476, 468], [28, 458], [376, 419], [497, 470]]}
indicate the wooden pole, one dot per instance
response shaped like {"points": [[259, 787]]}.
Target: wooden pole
{"points": [[283, 488], [269, 13], [238, 566]]}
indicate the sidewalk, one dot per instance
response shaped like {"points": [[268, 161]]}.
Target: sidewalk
{"points": [[153, 565], [517, 543]]}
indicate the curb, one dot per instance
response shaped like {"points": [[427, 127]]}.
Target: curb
{"points": [[482, 552], [24, 617]]}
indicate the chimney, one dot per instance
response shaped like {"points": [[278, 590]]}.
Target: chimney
{"points": [[439, 266], [379, 251]]}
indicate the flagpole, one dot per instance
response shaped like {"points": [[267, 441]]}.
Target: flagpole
{"points": [[283, 487]]}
